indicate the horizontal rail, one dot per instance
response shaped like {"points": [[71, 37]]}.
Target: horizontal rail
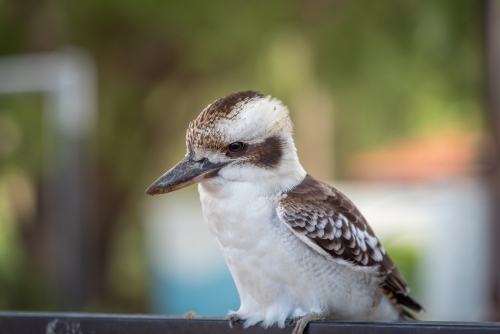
{"points": [[80, 323]]}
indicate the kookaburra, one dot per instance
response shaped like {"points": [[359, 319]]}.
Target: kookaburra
{"points": [[297, 248]]}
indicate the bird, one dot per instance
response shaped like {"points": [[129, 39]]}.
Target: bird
{"points": [[297, 248]]}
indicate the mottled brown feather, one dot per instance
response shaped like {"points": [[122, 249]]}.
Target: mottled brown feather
{"points": [[331, 220], [201, 132]]}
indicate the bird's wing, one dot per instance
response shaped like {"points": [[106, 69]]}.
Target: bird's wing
{"points": [[330, 221]]}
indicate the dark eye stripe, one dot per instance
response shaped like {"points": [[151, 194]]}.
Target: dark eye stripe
{"points": [[267, 154]]}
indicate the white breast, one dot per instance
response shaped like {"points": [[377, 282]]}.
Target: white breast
{"points": [[276, 274]]}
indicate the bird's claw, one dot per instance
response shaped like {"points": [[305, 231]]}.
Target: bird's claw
{"points": [[233, 319], [302, 322]]}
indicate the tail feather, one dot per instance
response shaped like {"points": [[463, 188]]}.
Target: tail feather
{"points": [[408, 302], [405, 303]]}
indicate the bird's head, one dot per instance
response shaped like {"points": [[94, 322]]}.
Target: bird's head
{"points": [[243, 137]]}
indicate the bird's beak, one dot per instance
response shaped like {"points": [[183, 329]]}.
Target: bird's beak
{"points": [[186, 172]]}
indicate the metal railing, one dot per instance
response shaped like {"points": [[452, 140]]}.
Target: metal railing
{"points": [[79, 323]]}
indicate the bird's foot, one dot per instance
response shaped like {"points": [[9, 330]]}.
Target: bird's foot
{"points": [[233, 318], [303, 321]]}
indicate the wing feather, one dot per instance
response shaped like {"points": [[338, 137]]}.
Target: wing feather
{"points": [[331, 221]]}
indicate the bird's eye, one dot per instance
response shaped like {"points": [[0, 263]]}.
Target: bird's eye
{"points": [[236, 147]]}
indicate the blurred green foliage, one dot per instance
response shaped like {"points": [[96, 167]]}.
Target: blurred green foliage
{"points": [[394, 69]]}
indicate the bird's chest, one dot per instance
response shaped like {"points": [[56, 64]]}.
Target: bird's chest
{"points": [[255, 244], [240, 220]]}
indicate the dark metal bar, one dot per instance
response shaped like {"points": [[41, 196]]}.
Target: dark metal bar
{"points": [[74, 323]]}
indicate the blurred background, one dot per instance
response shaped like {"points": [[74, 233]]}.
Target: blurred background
{"points": [[396, 103]]}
